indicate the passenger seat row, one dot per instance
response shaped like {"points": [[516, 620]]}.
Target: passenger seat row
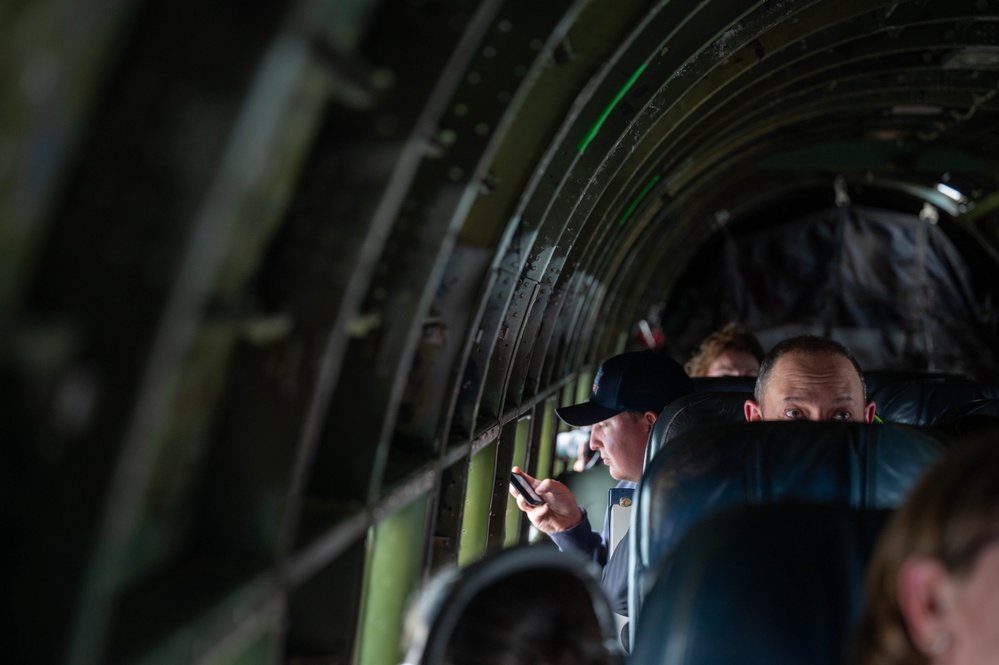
{"points": [[851, 470], [749, 541], [943, 402]]}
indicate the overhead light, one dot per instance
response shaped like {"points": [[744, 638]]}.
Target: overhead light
{"points": [[972, 57], [950, 192], [887, 134], [916, 109]]}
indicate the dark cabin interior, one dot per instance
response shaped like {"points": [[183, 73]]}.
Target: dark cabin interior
{"points": [[286, 287]]}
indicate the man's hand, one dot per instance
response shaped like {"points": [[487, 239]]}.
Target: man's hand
{"points": [[559, 512]]}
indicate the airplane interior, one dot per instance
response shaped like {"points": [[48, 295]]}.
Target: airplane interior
{"points": [[288, 286]]}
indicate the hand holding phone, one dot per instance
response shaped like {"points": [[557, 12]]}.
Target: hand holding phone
{"points": [[525, 490]]}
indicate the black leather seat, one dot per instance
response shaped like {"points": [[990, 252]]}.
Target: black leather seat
{"points": [[724, 384], [921, 402], [446, 599], [977, 407], [695, 410], [777, 584], [875, 379], [710, 468], [965, 420]]}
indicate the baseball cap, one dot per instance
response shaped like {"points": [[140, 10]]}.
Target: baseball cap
{"points": [[634, 381]]}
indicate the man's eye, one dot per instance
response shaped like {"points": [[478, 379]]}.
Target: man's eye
{"points": [[794, 414], [842, 415]]}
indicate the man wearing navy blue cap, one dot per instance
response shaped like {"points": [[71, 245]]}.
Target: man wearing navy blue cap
{"points": [[629, 392]]}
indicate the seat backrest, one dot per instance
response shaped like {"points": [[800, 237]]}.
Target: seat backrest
{"points": [[922, 401], [777, 584], [710, 468], [695, 410]]}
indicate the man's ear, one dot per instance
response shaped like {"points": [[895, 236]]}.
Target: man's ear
{"points": [[922, 588], [650, 418], [754, 413], [869, 410]]}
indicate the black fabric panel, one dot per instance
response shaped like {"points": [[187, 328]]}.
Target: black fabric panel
{"points": [[890, 286]]}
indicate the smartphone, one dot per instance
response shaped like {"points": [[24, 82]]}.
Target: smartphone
{"points": [[525, 490]]}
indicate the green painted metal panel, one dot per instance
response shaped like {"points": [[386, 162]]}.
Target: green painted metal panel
{"points": [[546, 440], [513, 514], [395, 560], [475, 521]]}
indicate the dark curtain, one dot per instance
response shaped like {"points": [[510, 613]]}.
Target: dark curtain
{"points": [[891, 286]]}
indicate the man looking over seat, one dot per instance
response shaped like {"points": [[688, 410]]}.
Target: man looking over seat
{"points": [[629, 392], [810, 378]]}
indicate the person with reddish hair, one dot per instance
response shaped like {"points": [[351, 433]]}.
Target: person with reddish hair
{"points": [[731, 351]]}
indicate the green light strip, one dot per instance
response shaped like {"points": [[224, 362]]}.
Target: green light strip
{"points": [[610, 107], [634, 204]]}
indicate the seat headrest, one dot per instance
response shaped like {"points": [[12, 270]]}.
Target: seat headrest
{"points": [[921, 402], [695, 410], [724, 384], [777, 584], [875, 379], [865, 466]]}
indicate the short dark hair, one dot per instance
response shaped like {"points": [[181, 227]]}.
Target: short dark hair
{"points": [[808, 344], [478, 615], [557, 626]]}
